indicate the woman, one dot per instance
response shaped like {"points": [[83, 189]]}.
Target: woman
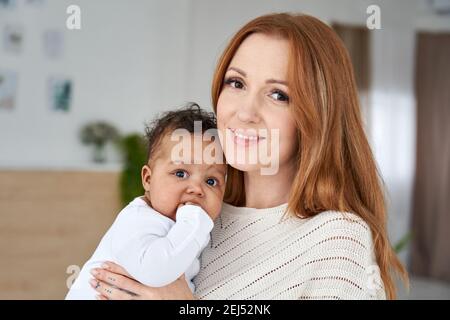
{"points": [[289, 75]]}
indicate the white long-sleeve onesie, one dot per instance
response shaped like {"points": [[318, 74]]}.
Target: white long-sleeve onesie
{"points": [[154, 249]]}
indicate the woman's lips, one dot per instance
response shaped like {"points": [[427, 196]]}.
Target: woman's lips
{"points": [[245, 138]]}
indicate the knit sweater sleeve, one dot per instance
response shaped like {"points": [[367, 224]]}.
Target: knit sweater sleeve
{"points": [[343, 257]]}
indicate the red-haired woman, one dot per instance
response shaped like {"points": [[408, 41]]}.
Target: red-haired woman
{"points": [[315, 228]]}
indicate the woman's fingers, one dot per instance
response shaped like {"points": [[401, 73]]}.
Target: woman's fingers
{"points": [[113, 283], [117, 280], [109, 292], [115, 268]]}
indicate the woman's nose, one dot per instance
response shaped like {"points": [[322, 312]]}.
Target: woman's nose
{"points": [[248, 112]]}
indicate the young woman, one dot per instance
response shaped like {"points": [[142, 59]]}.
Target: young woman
{"points": [[289, 75]]}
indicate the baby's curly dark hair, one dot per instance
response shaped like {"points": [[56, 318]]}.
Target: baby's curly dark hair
{"points": [[182, 118]]}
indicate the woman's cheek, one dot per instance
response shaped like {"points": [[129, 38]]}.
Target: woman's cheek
{"points": [[289, 142], [226, 103], [220, 115], [224, 114]]}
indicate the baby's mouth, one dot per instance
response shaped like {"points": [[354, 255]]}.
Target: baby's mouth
{"points": [[187, 202]]}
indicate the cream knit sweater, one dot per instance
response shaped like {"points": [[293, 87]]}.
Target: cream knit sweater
{"points": [[255, 254]]}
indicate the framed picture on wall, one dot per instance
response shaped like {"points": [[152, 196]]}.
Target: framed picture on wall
{"points": [[8, 89], [7, 4], [60, 93], [36, 3], [13, 38]]}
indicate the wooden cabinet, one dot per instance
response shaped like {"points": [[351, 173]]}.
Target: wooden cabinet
{"points": [[50, 220]]}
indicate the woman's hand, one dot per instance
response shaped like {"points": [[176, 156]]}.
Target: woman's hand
{"points": [[112, 282]]}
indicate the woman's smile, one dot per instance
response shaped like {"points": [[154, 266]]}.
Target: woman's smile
{"points": [[245, 138]]}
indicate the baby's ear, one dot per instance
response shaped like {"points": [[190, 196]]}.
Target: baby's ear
{"points": [[146, 173]]}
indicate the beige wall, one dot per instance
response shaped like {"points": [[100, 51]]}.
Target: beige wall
{"points": [[48, 221]]}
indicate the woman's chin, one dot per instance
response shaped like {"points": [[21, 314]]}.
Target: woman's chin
{"points": [[246, 167]]}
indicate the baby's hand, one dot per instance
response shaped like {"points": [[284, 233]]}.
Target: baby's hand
{"points": [[208, 212], [188, 202], [194, 204]]}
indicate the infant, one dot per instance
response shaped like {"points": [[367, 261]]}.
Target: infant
{"points": [[159, 236]]}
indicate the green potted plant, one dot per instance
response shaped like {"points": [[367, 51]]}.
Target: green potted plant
{"points": [[403, 242], [134, 155], [99, 133]]}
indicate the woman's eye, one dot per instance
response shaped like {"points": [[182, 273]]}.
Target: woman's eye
{"points": [[181, 174], [280, 96], [234, 83], [212, 182]]}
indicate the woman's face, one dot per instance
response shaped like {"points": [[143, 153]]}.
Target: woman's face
{"points": [[253, 109]]}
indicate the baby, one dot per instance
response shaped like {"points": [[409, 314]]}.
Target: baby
{"points": [[159, 236]]}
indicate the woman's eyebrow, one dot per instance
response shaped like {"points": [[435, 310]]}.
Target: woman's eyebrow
{"points": [[277, 81], [269, 81], [238, 71]]}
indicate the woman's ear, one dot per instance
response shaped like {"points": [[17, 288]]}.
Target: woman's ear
{"points": [[146, 173]]}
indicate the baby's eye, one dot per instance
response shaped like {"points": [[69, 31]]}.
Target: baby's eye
{"points": [[212, 182], [279, 96], [181, 174], [234, 83]]}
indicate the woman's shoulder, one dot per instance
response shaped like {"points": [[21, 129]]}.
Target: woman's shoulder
{"points": [[340, 246], [336, 222], [331, 216], [342, 232]]}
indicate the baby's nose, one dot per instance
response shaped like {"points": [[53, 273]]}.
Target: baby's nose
{"points": [[195, 189]]}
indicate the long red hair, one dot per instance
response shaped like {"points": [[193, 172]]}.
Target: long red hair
{"points": [[336, 169]]}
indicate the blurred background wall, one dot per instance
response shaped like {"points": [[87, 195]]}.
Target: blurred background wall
{"points": [[133, 59]]}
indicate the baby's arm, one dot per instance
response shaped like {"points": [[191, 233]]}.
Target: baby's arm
{"points": [[157, 258]]}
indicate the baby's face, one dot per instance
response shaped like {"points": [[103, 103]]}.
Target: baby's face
{"points": [[174, 183]]}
